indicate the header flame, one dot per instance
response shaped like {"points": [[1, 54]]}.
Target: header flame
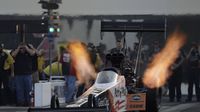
{"points": [[158, 71], [81, 60]]}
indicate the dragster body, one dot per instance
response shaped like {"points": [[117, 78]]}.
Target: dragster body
{"points": [[110, 90]]}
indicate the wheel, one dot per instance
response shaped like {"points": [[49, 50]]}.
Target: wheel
{"points": [[55, 102], [91, 100], [53, 99]]}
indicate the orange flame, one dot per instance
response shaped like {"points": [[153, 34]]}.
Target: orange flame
{"points": [[158, 71], [81, 60]]}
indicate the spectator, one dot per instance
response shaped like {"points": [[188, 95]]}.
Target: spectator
{"points": [[176, 79], [55, 70], [41, 64], [9, 71], [6, 64], [35, 74], [69, 72], [23, 69], [101, 50], [133, 54], [116, 56], [155, 49], [95, 57], [193, 72]]}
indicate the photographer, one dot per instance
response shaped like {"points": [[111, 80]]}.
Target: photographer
{"points": [[22, 70], [94, 56], [116, 56], [93, 52], [193, 72]]}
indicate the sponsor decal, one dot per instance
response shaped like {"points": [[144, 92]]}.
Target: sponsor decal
{"points": [[119, 92], [136, 102], [119, 104], [136, 98]]}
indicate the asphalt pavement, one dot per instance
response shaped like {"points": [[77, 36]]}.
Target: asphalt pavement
{"points": [[182, 106]]}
